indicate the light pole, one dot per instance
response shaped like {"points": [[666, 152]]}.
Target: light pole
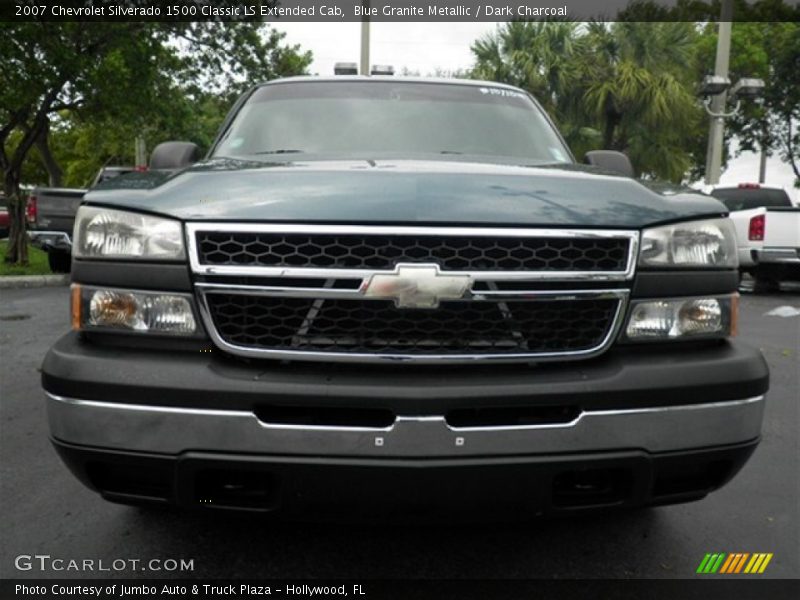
{"points": [[715, 90], [365, 41], [716, 109]]}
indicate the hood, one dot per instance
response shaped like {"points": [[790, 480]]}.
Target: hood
{"points": [[402, 192]]}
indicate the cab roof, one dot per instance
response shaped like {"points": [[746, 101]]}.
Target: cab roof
{"points": [[392, 78]]}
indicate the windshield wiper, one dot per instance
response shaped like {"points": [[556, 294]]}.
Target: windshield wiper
{"points": [[279, 151], [449, 152]]}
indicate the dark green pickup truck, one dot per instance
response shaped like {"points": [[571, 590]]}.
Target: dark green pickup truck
{"points": [[377, 292]]}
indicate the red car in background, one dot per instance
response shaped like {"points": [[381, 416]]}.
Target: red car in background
{"points": [[3, 218]]}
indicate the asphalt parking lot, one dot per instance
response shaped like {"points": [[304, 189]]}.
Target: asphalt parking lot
{"points": [[46, 511]]}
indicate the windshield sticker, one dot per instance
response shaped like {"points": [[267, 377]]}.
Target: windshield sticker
{"points": [[487, 91], [236, 142]]}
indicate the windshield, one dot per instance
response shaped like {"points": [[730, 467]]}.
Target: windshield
{"points": [[400, 118], [747, 198]]}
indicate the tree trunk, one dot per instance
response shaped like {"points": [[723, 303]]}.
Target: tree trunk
{"points": [[17, 252], [790, 150], [54, 171], [613, 118]]}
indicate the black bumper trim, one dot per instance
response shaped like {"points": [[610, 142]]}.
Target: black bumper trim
{"points": [[660, 284], [299, 487], [132, 275], [626, 377]]}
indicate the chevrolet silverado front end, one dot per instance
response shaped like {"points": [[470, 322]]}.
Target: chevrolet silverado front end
{"points": [[380, 291]]}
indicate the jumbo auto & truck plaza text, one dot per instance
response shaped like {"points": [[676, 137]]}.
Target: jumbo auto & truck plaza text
{"points": [[167, 590]]}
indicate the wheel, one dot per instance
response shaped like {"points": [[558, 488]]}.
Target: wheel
{"points": [[60, 262]]}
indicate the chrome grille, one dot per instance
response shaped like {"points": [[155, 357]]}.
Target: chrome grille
{"points": [[282, 291], [451, 253], [379, 327]]}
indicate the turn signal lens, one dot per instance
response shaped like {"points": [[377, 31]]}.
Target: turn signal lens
{"points": [[672, 319], [142, 312], [115, 309], [75, 306]]}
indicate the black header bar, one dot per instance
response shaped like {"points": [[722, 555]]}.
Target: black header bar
{"points": [[335, 11]]}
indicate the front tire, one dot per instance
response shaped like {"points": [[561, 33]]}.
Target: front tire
{"points": [[60, 262]]}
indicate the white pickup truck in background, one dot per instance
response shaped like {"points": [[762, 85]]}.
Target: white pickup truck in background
{"points": [[767, 232]]}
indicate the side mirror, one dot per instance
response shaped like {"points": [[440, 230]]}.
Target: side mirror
{"points": [[174, 155], [610, 160]]}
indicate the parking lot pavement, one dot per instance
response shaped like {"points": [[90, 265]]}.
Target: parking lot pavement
{"points": [[46, 511]]}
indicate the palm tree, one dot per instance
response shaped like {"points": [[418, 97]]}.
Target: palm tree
{"points": [[536, 56], [637, 86], [625, 85]]}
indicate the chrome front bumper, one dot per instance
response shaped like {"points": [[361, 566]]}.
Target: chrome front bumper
{"points": [[788, 256], [168, 430], [51, 240]]}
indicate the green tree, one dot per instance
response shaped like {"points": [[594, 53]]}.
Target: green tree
{"points": [[624, 85], [129, 76], [765, 44], [85, 143], [546, 59], [769, 51], [542, 57], [638, 85], [704, 11]]}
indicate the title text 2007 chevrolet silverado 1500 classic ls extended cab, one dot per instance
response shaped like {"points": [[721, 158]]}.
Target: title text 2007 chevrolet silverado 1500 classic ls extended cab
{"points": [[378, 291]]}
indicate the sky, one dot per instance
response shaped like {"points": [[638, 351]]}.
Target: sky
{"points": [[422, 47], [430, 47]]}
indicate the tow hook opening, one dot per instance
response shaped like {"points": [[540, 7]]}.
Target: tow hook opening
{"points": [[591, 488], [252, 490], [147, 482]]}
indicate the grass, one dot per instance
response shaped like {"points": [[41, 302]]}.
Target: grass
{"points": [[37, 262]]}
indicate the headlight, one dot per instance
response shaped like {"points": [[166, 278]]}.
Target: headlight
{"points": [[710, 244], [124, 310], [682, 318], [107, 233]]}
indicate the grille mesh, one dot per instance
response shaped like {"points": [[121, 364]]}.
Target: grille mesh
{"points": [[380, 327], [356, 251]]}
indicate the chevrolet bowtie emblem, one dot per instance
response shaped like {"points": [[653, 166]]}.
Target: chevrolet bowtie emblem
{"points": [[416, 286]]}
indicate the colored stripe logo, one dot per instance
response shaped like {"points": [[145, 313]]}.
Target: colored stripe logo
{"points": [[736, 562]]}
